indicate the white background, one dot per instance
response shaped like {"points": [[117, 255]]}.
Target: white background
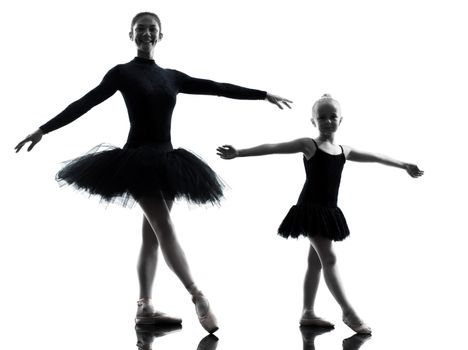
{"points": [[67, 263]]}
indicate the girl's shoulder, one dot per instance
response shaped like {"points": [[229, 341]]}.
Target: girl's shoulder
{"points": [[346, 150], [309, 146]]}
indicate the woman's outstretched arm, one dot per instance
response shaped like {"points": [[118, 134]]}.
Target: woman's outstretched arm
{"points": [[190, 85], [296, 146], [361, 156], [100, 93]]}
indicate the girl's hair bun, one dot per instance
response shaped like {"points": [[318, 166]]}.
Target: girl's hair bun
{"points": [[325, 99]]}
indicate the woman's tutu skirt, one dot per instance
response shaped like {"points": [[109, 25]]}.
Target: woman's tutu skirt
{"points": [[124, 175], [311, 220]]}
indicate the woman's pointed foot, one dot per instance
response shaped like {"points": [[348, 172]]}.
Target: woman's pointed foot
{"points": [[356, 324], [205, 315]]}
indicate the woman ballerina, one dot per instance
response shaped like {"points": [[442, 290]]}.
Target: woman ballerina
{"points": [[148, 169]]}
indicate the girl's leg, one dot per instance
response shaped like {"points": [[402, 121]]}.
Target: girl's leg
{"points": [[311, 281], [157, 213], [324, 249]]}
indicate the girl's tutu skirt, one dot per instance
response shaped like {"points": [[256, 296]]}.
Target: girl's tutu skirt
{"points": [[124, 175], [311, 220]]}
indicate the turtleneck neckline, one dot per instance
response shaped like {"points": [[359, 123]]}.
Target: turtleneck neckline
{"points": [[144, 60]]}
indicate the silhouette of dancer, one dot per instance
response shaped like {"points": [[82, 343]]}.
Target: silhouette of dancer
{"points": [[316, 214], [147, 169]]}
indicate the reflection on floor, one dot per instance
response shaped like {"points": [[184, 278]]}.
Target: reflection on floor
{"points": [[310, 333], [146, 335]]}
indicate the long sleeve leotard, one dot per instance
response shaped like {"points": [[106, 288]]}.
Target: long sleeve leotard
{"points": [[150, 94]]}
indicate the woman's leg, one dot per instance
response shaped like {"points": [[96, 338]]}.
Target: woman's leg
{"points": [[311, 282], [146, 269], [148, 258], [157, 213], [324, 249]]}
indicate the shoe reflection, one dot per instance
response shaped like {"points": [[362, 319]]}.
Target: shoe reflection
{"points": [[310, 333], [147, 333], [354, 342], [210, 342]]}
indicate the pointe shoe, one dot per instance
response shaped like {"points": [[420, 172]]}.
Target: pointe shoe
{"points": [[205, 315], [148, 316], [357, 325]]}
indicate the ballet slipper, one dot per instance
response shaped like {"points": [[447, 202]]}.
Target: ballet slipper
{"points": [[315, 322], [205, 315], [309, 319], [357, 325]]}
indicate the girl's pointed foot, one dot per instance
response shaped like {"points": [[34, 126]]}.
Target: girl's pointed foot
{"points": [[356, 324], [205, 315]]}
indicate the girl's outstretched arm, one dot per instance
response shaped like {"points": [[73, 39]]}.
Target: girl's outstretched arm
{"points": [[304, 145], [360, 156]]}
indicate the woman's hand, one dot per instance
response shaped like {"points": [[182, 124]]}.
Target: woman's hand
{"points": [[277, 100], [34, 138], [413, 170], [227, 152]]}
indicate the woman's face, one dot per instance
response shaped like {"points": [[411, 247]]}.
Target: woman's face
{"points": [[145, 33], [327, 118]]}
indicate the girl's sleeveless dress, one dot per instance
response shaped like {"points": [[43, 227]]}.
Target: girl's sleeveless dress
{"points": [[316, 211], [147, 165]]}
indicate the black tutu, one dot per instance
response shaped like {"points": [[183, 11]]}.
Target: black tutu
{"points": [[310, 220], [124, 175]]}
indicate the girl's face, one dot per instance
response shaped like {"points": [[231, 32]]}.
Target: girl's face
{"points": [[327, 118], [145, 33]]}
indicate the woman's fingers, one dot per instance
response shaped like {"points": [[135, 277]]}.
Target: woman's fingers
{"points": [[278, 101], [21, 144]]}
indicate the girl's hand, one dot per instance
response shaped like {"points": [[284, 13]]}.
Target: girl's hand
{"points": [[227, 152], [34, 138], [413, 170], [277, 100]]}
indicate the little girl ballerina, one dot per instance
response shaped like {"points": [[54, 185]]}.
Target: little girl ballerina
{"points": [[316, 214]]}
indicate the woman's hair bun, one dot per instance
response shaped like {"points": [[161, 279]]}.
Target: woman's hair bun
{"points": [[326, 96]]}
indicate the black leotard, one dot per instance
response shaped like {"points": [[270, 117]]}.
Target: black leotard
{"points": [[316, 211], [150, 93], [147, 165]]}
